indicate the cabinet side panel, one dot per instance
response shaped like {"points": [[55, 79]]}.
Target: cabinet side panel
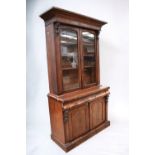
{"points": [[56, 118], [51, 59]]}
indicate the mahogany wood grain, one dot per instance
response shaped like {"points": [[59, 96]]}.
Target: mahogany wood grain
{"points": [[97, 112], [78, 121], [56, 118]]}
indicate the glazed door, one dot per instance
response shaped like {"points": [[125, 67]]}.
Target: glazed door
{"points": [[89, 58], [70, 66], [97, 112], [78, 58], [78, 121]]}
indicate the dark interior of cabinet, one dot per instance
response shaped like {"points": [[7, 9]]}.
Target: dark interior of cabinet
{"points": [[70, 79], [89, 76]]}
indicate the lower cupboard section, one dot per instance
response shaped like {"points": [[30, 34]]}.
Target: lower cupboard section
{"points": [[77, 119], [82, 119]]}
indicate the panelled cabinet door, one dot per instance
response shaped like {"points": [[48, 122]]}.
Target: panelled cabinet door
{"points": [[69, 60], [88, 42], [97, 112], [78, 121]]}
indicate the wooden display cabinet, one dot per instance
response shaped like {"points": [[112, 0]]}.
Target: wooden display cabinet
{"points": [[78, 105]]}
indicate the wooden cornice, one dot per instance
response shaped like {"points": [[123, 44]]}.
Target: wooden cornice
{"points": [[57, 14]]}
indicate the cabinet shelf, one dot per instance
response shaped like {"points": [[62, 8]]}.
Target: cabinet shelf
{"points": [[89, 55], [69, 68], [90, 66], [68, 44]]}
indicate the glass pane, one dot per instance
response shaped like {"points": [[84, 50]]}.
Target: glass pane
{"points": [[88, 37], [89, 57], [89, 60], [89, 75], [69, 59], [70, 79]]}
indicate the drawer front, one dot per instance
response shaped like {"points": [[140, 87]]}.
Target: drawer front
{"points": [[97, 112]]}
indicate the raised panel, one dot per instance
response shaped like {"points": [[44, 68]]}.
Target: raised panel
{"points": [[78, 121], [97, 112]]}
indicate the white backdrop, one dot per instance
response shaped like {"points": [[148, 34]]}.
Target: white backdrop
{"points": [[113, 70]]}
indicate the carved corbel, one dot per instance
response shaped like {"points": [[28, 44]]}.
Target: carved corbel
{"points": [[106, 106], [97, 34], [66, 115], [57, 28], [106, 98]]}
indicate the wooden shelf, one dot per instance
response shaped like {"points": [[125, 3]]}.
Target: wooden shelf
{"points": [[89, 55], [69, 68], [69, 44], [66, 55], [89, 66]]}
